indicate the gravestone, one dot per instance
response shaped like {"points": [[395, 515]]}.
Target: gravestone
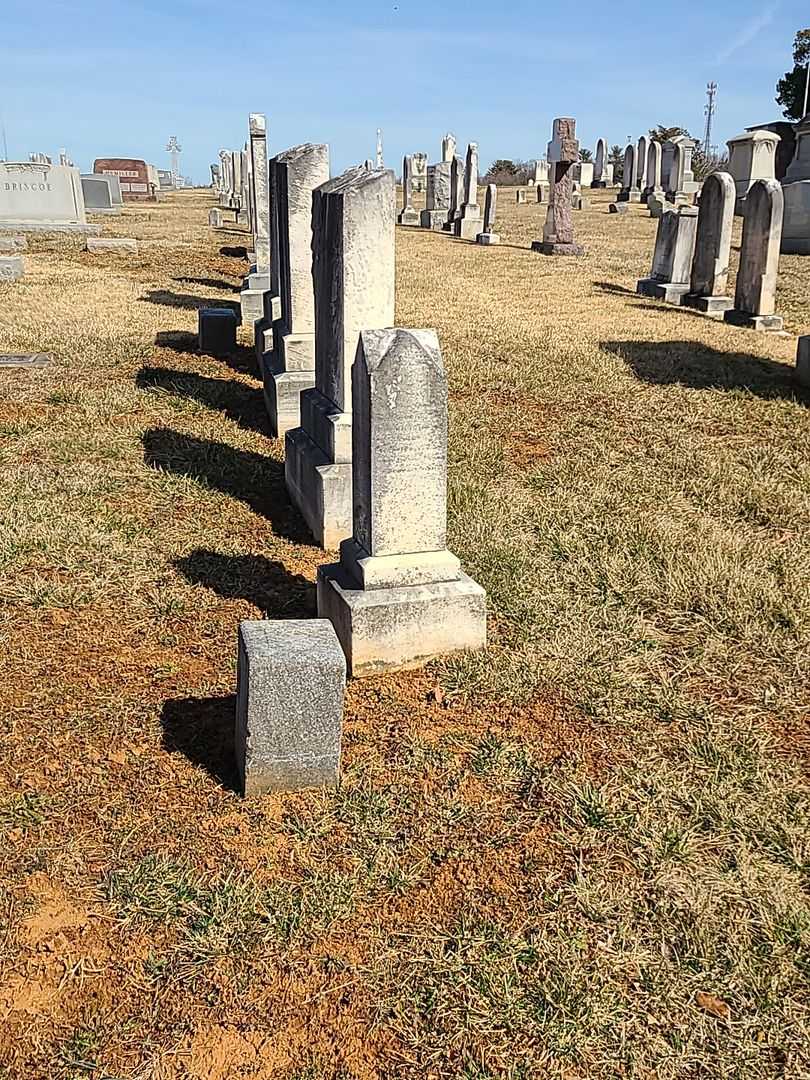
{"points": [[216, 331], [629, 192], [257, 282], [796, 189], [599, 162], [407, 216], [437, 207], [419, 165], [290, 367], [755, 295], [672, 258], [751, 157], [488, 236], [583, 173], [12, 268], [677, 177], [709, 280], [24, 360], [542, 192], [291, 678], [558, 232], [803, 361], [215, 217], [468, 223], [652, 180], [641, 163], [398, 597], [116, 245], [619, 208], [353, 278], [97, 194], [520, 196], [138, 182], [448, 147], [39, 197]]}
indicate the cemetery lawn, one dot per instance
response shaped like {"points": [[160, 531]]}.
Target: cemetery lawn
{"points": [[581, 854]]}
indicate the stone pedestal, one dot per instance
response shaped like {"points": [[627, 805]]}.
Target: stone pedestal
{"points": [[398, 597], [353, 276], [751, 157], [488, 239], [409, 217], [216, 331], [433, 219], [291, 677]]}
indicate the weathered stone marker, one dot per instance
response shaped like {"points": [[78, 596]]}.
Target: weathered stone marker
{"points": [[24, 360], [709, 280], [117, 245], [456, 193], [600, 161], [353, 276], [520, 196], [803, 360], [652, 182], [12, 244], [755, 295], [216, 331], [398, 597], [468, 223], [215, 217], [291, 678], [558, 232], [489, 236], [258, 199], [289, 368], [672, 257], [629, 192], [12, 268], [407, 216], [437, 206]]}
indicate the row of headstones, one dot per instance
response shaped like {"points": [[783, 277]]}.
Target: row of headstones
{"points": [[693, 249], [658, 174], [362, 406]]}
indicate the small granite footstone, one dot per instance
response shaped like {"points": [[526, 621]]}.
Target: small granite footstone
{"points": [[217, 331], [24, 360], [291, 678], [9, 245], [118, 245], [11, 268], [619, 208]]}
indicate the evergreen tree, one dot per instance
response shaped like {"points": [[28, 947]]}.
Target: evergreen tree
{"points": [[791, 87]]}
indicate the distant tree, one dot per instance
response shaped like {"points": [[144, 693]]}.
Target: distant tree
{"points": [[704, 165], [616, 159], [662, 133], [585, 154], [507, 172], [790, 88]]}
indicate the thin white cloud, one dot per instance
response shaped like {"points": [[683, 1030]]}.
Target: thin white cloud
{"points": [[748, 32]]}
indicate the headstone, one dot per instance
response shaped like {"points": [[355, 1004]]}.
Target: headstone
{"points": [[353, 277], [10, 245], [419, 165], [755, 295], [796, 189], [542, 191], [609, 174], [468, 223], [12, 268], [437, 205], [579, 201], [488, 236], [583, 173], [799, 168], [709, 279], [520, 196], [24, 360], [290, 367], [600, 160], [137, 182], [216, 331], [751, 157], [257, 282], [803, 361], [98, 196], [672, 259], [291, 678], [641, 162], [215, 217], [116, 245], [677, 177], [619, 208], [629, 192], [398, 597], [37, 197], [563, 152], [407, 216], [541, 173], [652, 180], [449, 147]]}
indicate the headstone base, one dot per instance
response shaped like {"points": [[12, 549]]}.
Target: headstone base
{"points": [[579, 202], [672, 292], [291, 677], [409, 217], [488, 239], [803, 361], [282, 397], [753, 322], [118, 245], [320, 489], [216, 331], [548, 247], [12, 268], [598, 183], [633, 196], [713, 306], [12, 244], [433, 219], [252, 304], [401, 627], [467, 228]]}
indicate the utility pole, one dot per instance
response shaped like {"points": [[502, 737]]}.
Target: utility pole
{"points": [[806, 90], [709, 110]]}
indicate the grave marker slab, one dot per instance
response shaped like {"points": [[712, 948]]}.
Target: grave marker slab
{"points": [[709, 279], [672, 257], [755, 294], [39, 197]]}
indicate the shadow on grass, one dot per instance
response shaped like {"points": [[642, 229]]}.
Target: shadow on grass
{"points": [[185, 342], [186, 300], [209, 283], [234, 252], [202, 729], [263, 582], [612, 287], [699, 366], [240, 403], [254, 479]]}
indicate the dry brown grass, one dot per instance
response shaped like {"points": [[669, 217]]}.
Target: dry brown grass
{"points": [[535, 871]]}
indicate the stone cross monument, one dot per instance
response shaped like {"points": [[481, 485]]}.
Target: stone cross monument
{"points": [[563, 152]]}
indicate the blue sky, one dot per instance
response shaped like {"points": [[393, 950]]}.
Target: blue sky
{"points": [[117, 79]]}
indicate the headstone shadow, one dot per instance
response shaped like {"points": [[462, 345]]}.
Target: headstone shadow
{"points": [[699, 366], [209, 283], [185, 342], [232, 252], [241, 403], [186, 300], [202, 729], [254, 479], [265, 583], [612, 287]]}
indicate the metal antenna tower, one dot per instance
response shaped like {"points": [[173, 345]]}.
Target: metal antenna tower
{"points": [[709, 109], [175, 149]]}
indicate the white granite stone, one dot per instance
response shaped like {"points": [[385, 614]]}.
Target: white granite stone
{"points": [[751, 157]]}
